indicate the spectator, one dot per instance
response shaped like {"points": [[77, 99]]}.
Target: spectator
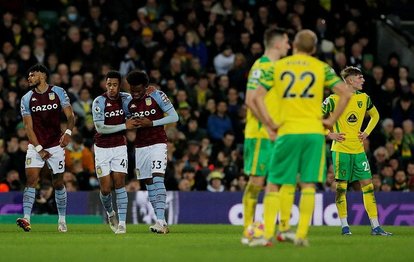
{"points": [[215, 180], [219, 123]]}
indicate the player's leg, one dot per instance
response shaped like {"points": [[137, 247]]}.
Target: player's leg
{"points": [[287, 197], [143, 170], [362, 173], [33, 165], [283, 166], [312, 170], [102, 158], [158, 165], [256, 156], [342, 164], [121, 200], [57, 164], [119, 168]]}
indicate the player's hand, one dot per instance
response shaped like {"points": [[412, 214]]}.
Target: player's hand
{"points": [[45, 155], [144, 122], [131, 123], [328, 123], [362, 136], [150, 89], [339, 137], [64, 140]]}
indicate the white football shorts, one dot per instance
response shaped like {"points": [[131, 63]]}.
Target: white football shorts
{"points": [[110, 159], [150, 159], [56, 162]]}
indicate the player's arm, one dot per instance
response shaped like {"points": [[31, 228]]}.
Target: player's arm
{"points": [[98, 115], [263, 114], [165, 104], [374, 115], [327, 107], [251, 104], [68, 111], [342, 90], [28, 125]]}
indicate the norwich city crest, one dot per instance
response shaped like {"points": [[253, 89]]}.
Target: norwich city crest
{"points": [[359, 104]]}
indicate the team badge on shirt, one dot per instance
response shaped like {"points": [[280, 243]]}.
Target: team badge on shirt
{"points": [[99, 170], [137, 173], [28, 161], [51, 96], [148, 101], [359, 104]]}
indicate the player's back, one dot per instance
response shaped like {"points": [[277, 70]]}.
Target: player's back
{"points": [[297, 93], [261, 73]]}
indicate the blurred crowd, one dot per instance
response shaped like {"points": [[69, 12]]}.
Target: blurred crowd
{"points": [[199, 53]]}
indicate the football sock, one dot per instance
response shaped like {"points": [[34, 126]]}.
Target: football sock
{"points": [[107, 202], [151, 196], [61, 202], [161, 196], [250, 196], [287, 196], [271, 203], [306, 206], [340, 200], [370, 204], [122, 203], [28, 200]]}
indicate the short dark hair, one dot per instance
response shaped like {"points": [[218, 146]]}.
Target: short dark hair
{"points": [[39, 68], [113, 74], [271, 34], [136, 78], [350, 71]]}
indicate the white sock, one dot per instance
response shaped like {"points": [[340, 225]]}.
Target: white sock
{"points": [[344, 222], [62, 219], [122, 223], [374, 222], [27, 217]]}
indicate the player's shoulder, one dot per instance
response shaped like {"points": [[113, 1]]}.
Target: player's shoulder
{"points": [[57, 89], [361, 94], [99, 99], [28, 95]]}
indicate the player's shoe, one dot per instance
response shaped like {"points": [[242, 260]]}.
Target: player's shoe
{"points": [[159, 229], [260, 242], [346, 231], [285, 236], [113, 221], [244, 240], [301, 242], [62, 227], [121, 230], [24, 224], [378, 231]]}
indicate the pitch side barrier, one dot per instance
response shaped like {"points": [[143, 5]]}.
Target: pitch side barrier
{"points": [[394, 208]]}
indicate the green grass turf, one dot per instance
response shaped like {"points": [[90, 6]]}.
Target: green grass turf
{"points": [[197, 243]]}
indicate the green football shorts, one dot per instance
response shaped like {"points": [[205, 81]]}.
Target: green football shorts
{"points": [[351, 167], [298, 158], [256, 154]]}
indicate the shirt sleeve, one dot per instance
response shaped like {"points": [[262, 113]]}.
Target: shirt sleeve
{"points": [[328, 105], [126, 99], [63, 96], [25, 104], [98, 109], [331, 79], [162, 100]]}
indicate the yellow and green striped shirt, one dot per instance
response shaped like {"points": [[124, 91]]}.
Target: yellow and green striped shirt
{"points": [[261, 73]]}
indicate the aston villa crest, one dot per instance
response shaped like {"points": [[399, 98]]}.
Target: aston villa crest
{"points": [[148, 101], [359, 104], [51, 96]]}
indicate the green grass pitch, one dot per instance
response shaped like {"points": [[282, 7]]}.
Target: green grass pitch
{"points": [[216, 243]]}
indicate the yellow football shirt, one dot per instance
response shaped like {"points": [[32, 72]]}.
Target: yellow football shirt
{"points": [[350, 122], [297, 92], [261, 73]]}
